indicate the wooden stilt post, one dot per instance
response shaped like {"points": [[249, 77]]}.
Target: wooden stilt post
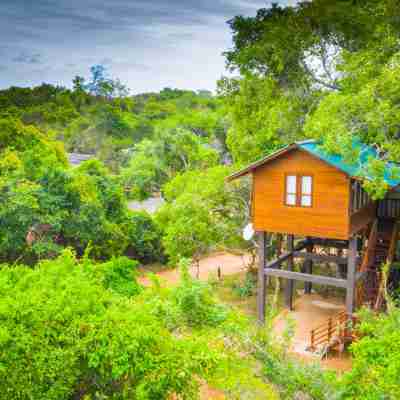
{"points": [[308, 267], [261, 290], [351, 276], [290, 265]]}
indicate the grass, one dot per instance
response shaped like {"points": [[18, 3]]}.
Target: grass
{"points": [[248, 304]]}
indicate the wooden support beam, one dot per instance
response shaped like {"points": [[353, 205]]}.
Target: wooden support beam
{"points": [[351, 275], [290, 265], [278, 261], [261, 287], [320, 257], [323, 257], [299, 276], [337, 244], [308, 268]]}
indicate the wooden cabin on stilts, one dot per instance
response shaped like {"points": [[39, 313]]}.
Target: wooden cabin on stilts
{"points": [[317, 202]]}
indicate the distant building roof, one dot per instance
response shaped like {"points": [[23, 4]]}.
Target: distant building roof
{"points": [[313, 147], [76, 159], [151, 205]]}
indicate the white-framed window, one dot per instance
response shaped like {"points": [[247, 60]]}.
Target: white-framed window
{"points": [[298, 190], [291, 190], [306, 191]]}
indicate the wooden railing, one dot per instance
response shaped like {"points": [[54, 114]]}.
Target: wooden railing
{"points": [[369, 254], [389, 208], [335, 331], [380, 298], [393, 244]]}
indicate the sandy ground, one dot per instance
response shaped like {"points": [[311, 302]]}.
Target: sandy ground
{"points": [[311, 311], [229, 264]]}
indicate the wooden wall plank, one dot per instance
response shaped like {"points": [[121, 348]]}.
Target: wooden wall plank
{"points": [[329, 215]]}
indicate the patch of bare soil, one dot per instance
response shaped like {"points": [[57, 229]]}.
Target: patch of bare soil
{"points": [[227, 263], [207, 393], [311, 311]]}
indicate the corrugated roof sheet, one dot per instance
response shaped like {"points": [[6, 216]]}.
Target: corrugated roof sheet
{"points": [[365, 153]]}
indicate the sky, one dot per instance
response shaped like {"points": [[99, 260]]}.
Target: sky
{"points": [[147, 44]]}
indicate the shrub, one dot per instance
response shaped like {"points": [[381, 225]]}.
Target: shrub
{"points": [[196, 302], [65, 335], [376, 358], [144, 238], [247, 288], [119, 275]]}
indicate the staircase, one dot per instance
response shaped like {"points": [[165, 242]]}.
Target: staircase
{"points": [[380, 250], [339, 330]]}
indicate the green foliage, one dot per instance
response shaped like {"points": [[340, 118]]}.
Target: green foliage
{"points": [[376, 358], [156, 161], [202, 211], [64, 335], [299, 45], [119, 276], [195, 301], [45, 206], [295, 378], [144, 238], [264, 117], [247, 288], [98, 117], [367, 108]]}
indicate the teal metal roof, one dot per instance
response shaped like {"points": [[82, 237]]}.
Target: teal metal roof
{"points": [[355, 169]]}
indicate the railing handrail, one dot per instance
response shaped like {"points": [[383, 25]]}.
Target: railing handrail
{"points": [[325, 332], [369, 254]]}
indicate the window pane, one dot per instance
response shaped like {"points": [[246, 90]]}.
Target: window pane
{"points": [[306, 200], [306, 185], [291, 184], [291, 199]]}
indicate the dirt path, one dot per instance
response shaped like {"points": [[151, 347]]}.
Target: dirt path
{"points": [[227, 263]]}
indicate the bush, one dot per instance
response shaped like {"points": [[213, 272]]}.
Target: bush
{"points": [[119, 275], [376, 358], [144, 238], [196, 302], [65, 335], [247, 288]]}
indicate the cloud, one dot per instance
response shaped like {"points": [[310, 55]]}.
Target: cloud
{"points": [[26, 58], [146, 43]]}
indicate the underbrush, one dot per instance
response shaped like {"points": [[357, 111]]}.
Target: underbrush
{"points": [[78, 330], [84, 331]]}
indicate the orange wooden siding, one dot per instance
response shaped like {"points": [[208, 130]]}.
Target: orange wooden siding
{"points": [[329, 215]]}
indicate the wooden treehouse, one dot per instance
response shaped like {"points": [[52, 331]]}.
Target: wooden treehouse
{"points": [[316, 201]]}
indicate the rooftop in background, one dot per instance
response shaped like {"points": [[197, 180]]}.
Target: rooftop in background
{"points": [[151, 205], [75, 159], [313, 147]]}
